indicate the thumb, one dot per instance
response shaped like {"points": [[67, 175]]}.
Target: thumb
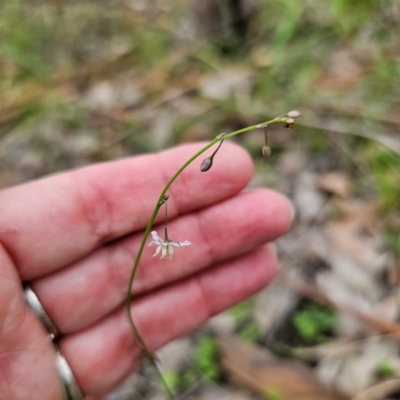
{"points": [[27, 356]]}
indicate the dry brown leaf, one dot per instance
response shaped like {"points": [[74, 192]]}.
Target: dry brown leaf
{"points": [[364, 215], [260, 370], [388, 307], [336, 183], [348, 238], [379, 391], [356, 235]]}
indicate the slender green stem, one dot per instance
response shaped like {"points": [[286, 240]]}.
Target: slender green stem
{"points": [[140, 341]]}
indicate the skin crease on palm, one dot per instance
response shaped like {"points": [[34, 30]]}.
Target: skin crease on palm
{"points": [[74, 236]]}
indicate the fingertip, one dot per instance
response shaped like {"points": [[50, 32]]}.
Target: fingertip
{"points": [[272, 209], [292, 211], [281, 210], [264, 266], [270, 256]]}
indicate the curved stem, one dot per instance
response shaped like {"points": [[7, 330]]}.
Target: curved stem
{"points": [[140, 341]]}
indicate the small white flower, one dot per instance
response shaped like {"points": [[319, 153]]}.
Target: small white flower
{"points": [[165, 246]]}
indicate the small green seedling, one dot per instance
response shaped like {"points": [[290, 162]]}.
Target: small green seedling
{"points": [[206, 357], [315, 323], [385, 369]]}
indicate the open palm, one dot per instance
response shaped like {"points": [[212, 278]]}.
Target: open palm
{"points": [[75, 235]]}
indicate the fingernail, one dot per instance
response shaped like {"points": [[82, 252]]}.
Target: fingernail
{"points": [[292, 210]]}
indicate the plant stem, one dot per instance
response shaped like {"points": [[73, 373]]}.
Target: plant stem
{"points": [[141, 343]]}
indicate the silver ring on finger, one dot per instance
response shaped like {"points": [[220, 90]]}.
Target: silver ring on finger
{"points": [[34, 303], [71, 390]]}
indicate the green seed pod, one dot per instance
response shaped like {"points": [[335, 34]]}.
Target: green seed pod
{"points": [[266, 151], [206, 164]]}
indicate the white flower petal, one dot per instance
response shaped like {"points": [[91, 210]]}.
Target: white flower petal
{"points": [[180, 244], [157, 251], [170, 252], [156, 238], [164, 251]]}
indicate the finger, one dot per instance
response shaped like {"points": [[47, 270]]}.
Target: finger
{"points": [[27, 366], [87, 291], [104, 354], [48, 224]]}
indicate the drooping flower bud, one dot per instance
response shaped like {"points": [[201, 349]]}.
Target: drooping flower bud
{"points": [[266, 151], [206, 164], [293, 114]]}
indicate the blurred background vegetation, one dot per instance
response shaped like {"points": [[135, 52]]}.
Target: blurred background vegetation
{"points": [[86, 81], [109, 69]]}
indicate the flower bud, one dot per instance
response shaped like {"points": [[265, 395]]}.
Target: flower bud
{"points": [[293, 114], [266, 151], [206, 164], [290, 123]]}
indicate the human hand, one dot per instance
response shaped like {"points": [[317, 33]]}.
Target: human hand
{"points": [[75, 235]]}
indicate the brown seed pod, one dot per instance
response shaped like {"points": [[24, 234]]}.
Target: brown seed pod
{"points": [[206, 164], [266, 151]]}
